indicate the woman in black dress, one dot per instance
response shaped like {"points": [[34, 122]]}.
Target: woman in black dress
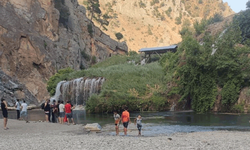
{"points": [[5, 113]]}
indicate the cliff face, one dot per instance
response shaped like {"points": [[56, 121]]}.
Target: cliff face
{"points": [[151, 23], [38, 37]]}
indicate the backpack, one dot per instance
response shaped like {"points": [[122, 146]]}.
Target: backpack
{"points": [[42, 106]]}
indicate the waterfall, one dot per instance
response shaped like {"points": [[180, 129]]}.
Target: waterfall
{"points": [[214, 49], [58, 91], [78, 90]]}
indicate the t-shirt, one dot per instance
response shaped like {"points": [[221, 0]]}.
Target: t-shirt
{"points": [[47, 107], [61, 108], [116, 117], [125, 116], [67, 108], [24, 106], [138, 121], [17, 106]]}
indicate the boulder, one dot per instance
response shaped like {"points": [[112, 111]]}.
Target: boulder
{"points": [[93, 127]]}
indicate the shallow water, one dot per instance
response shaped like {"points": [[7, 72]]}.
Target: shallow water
{"points": [[157, 123]]}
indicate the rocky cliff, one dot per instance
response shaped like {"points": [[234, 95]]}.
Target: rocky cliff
{"points": [[38, 37], [151, 23]]}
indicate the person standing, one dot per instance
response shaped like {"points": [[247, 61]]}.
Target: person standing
{"points": [[47, 110], [17, 105], [4, 108], [125, 119], [68, 113], [137, 121], [52, 110], [117, 121], [61, 112], [24, 112]]}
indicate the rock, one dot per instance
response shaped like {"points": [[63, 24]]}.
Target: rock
{"points": [[32, 106], [93, 127], [35, 42]]}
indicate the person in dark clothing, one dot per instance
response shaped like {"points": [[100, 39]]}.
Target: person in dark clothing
{"points": [[4, 108], [47, 110], [52, 108]]}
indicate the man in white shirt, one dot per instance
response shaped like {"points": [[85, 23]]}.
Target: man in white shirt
{"points": [[17, 105], [61, 112], [24, 112]]}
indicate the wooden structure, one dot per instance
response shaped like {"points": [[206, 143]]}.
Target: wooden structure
{"points": [[157, 50]]}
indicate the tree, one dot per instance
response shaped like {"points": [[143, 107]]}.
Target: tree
{"points": [[243, 20], [119, 36], [248, 4], [104, 21], [94, 7]]}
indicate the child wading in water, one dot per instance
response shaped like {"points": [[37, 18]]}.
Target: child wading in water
{"points": [[117, 121], [138, 123]]}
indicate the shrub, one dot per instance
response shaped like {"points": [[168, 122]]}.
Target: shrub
{"points": [[85, 55], [119, 36], [90, 30]]}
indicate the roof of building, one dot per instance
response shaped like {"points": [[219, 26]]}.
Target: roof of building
{"points": [[159, 49]]}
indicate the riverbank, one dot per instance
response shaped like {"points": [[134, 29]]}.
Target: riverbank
{"points": [[42, 135]]}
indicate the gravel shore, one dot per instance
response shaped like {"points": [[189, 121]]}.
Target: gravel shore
{"points": [[42, 135]]}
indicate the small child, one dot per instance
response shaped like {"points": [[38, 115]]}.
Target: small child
{"points": [[117, 121], [138, 122]]}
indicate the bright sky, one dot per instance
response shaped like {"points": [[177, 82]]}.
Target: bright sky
{"points": [[237, 5]]}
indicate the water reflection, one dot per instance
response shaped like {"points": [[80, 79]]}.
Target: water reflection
{"points": [[162, 122]]}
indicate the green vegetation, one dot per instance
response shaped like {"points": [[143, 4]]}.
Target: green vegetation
{"points": [[243, 19], [202, 25], [85, 56], [142, 5], [93, 6], [198, 74], [119, 36], [138, 87], [90, 30], [153, 2]]}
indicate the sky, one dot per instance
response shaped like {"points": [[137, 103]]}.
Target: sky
{"points": [[237, 5]]}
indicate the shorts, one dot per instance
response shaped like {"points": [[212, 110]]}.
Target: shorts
{"points": [[125, 124], [139, 127], [46, 112], [5, 114], [69, 115], [62, 114], [24, 113]]}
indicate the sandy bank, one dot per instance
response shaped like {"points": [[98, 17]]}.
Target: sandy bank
{"points": [[41, 135]]}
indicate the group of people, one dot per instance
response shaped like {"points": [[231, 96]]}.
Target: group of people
{"points": [[21, 108], [64, 114], [125, 119], [58, 112]]}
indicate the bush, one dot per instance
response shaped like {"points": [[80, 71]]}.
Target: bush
{"points": [[85, 56], [197, 74], [90, 30], [119, 36]]}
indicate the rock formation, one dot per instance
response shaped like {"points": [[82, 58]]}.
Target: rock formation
{"points": [[39, 37]]}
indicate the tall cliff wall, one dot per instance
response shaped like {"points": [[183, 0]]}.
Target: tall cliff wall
{"points": [[38, 37]]}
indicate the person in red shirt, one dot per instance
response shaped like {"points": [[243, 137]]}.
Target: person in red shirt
{"points": [[68, 112], [125, 119]]}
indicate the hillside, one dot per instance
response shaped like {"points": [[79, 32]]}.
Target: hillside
{"points": [[151, 23]]}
